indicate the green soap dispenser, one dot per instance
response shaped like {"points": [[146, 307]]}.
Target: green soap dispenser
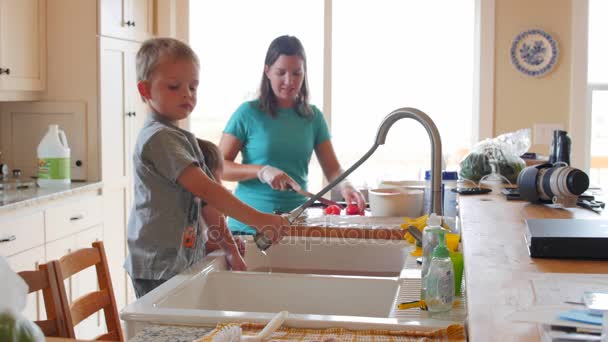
{"points": [[440, 279]]}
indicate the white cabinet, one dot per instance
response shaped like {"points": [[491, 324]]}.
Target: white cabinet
{"points": [[48, 232], [29, 260], [22, 45], [122, 116], [127, 19]]}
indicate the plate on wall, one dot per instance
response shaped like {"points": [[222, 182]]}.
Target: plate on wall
{"points": [[534, 52]]}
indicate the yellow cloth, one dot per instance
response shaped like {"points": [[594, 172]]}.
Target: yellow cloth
{"points": [[419, 223], [451, 333]]}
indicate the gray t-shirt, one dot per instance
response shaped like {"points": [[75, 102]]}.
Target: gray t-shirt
{"points": [[165, 231]]}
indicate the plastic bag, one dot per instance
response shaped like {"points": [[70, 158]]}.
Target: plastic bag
{"points": [[498, 157], [13, 326]]}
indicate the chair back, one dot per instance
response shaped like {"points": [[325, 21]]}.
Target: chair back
{"points": [[90, 303], [44, 279]]}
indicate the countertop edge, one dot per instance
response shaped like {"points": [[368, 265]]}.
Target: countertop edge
{"points": [[43, 196]]}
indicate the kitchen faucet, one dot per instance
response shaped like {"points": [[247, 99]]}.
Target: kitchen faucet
{"points": [[386, 124]]}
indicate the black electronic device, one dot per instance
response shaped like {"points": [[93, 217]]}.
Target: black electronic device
{"points": [[567, 238], [471, 191]]}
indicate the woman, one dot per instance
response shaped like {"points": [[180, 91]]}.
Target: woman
{"points": [[276, 135]]}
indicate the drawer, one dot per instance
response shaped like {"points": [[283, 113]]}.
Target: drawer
{"points": [[72, 216], [28, 230]]}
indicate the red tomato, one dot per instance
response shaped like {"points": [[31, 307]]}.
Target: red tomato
{"points": [[333, 210], [353, 209]]}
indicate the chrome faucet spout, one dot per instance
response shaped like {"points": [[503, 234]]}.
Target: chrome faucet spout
{"points": [[433, 133], [386, 124]]}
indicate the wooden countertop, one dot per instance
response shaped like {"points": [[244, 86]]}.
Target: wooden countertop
{"points": [[499, 272]]}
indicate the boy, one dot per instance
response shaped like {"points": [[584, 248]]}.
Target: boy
{"points": [[218, 234], [165, 226]]}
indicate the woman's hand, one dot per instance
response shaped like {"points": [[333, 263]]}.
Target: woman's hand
{"points": [[351, 195], [277, 179]]}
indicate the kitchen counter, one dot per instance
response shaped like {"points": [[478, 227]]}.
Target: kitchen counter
{"points": [[17, 199], [501, 278]]}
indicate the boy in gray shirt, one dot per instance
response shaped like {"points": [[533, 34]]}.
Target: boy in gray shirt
{"points": [[171, 180]]}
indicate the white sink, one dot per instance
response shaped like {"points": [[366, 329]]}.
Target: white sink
{"points": [[296, 293], [343, 289], [335, 256]]}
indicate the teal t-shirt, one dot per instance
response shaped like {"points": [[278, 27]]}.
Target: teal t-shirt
{"points": [[285, 142]]}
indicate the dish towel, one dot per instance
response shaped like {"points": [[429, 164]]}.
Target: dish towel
{"points": [[451, 333]]}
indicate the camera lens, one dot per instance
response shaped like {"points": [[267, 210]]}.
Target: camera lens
{"points": [[577, 181]]}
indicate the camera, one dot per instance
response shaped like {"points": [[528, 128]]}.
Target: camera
{"points": [[552, 184]]}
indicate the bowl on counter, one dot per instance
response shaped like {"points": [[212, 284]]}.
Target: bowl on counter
{"points": [[396, 202]]}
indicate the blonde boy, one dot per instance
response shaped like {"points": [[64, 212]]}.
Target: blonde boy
{"points": [[171, 181]]}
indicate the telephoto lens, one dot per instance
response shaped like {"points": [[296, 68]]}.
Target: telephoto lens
{"points": [[547, 183]]}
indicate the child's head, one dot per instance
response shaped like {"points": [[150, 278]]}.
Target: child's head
{"points": [[167, 77], [213, 158]]}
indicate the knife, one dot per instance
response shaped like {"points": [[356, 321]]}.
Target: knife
{"points": [[310, 195]]}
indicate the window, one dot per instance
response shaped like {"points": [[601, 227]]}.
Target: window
{"points": [[385, 55], [391, 54], [598, 91], [231, 38]]}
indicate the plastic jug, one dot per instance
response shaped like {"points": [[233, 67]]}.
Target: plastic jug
{"points": [[53, 159]]}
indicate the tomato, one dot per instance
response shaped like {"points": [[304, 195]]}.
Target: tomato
{"points": [[333, 210], [353, 209]]}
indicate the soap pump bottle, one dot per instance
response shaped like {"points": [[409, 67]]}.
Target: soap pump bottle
{"points": [[440, 279], [430, 240]]}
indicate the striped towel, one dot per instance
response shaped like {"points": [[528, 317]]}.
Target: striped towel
{"points": [[451, 333]]}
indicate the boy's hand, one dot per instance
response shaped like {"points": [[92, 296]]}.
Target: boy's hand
{"points": [[277, 179], [276, 229]]}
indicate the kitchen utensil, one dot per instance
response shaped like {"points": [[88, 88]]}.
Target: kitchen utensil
{"points": [[416, 233], [320, 199], [273, 325]]}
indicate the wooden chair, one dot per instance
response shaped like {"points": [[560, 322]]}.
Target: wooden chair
{"points": [[45, 279], [90, 303]]}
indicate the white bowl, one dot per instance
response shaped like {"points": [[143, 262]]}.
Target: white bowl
{"points": [[396, 202]]}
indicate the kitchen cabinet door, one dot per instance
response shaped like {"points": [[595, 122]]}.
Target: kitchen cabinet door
{"points": [[115, 112], [123, 114], [142, 16], [127, 19], [115, 232], [29, 261], [22, 45]]}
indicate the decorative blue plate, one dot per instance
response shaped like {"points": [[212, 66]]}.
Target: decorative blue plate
{"points": [[534, 52]]}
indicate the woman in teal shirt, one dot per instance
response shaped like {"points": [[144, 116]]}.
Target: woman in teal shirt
{"points": [[276, 135]]}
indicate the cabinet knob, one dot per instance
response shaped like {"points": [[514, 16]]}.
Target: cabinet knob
{"points": [[5, 71], [130, 23], [134, 113]]}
